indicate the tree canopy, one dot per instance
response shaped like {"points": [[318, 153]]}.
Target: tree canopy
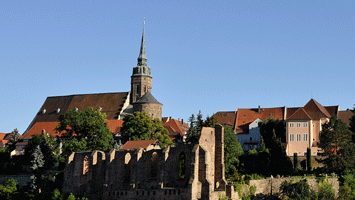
{"points": [[232, 151], [338, 148], [84, 131], [140, 126]]}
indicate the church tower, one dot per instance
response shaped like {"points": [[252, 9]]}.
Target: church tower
{"points": [[141, 79]]}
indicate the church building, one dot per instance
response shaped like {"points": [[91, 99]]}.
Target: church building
{"points": [[116, 105]]}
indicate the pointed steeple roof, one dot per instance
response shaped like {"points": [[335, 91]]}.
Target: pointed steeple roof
{"points": [[142, 59]]}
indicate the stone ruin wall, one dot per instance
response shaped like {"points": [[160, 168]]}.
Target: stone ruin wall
{"points": [[154, 174], [272, 186]]}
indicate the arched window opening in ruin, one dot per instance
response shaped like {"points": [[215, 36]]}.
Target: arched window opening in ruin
{"points": [[127, 158], [86, 165], [182, 165], [154, 165]]}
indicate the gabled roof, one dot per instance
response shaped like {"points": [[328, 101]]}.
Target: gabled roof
{"points": [[315, 110], [138, 144], [176, 127], [300, 114], [147, 98], [111, 104]]}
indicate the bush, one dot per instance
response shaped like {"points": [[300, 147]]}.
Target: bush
{"points": [[326, 191], [299, 190], [253, 177]]}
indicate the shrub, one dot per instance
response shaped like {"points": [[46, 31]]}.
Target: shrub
{"points": [[299, 190], [325, 191]]}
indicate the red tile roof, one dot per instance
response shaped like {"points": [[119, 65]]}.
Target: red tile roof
{"points": [[114, 125], [2, 136], [226, 118], [176, 127], [312, 110], [138, 144], [247, 116], [111, 104], [39, 126], [300, 114]]}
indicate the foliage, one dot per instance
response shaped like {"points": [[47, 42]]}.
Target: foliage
{"points": [[325, 191], [194, 133], [253, 177], [71, 197], [182, 166], [88, 125], [299, 190], [8, 189], [210, 121], [352, 124], [232, 151], [14, 137], [295, 162], [272, 158], [140, 126], [347, 189], [338, 150], [309, 160], [48, 147], [37, 161]]}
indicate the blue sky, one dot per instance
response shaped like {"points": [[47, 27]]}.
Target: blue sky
{"points": [[204, 55]]}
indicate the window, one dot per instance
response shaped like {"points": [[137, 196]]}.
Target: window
{"points": [[305, 124], [295, 154], [291, 124], [298, 124], [298, 137], [182, 165], [292, 137], [305, 137], [305, 153]]}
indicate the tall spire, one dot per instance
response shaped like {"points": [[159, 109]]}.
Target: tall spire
{"points": [[142, 59]]}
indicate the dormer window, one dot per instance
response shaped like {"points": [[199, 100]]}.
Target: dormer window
{"points": [[76, 109], [44, 111], [58, 110]]}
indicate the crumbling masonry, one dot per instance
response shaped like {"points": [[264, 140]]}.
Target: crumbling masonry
{"points": [[186, 171]]}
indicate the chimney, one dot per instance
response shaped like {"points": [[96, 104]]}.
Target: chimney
{"points": [[178, 119], [259, 110], [182, 121], [44, 131]]}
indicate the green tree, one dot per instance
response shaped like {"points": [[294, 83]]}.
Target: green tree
{"points": [[140, 126], [8, 189], [297, 191], [232, 151], [338, 150], [37, 161], [48, 147], [211, 121], [85, 130], [14, 137], [352, 124], [309, 160], [194, 132], [279, 162]]}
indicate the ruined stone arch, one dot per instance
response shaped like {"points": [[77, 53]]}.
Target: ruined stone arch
{"points": [[86, 165], [154, 165], [94, 154], [182, 165]]}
